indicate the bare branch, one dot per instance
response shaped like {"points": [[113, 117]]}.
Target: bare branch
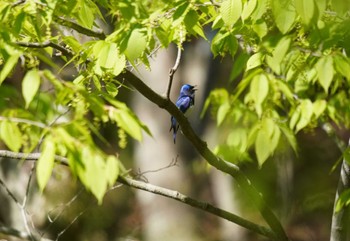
{"points": [[207, 154], [45, 44], [197, 204], [159, 191], [173, 70], [79, 28]]}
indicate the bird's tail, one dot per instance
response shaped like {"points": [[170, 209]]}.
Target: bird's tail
{"points": [[174, 127]]}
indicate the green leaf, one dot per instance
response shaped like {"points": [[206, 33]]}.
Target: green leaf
{"points": [[248, 9], [262, 148], [290, 137], [341, 6], [93, 175], [260, 28], [46, 162], [284, 14], [218, 43], [254, 61], [222, 112], [259, 89], [306, 10], [342, 66], [85, 15], [8, 66], [325, 71], [306, 111], [137, 44], [238, 65], [319, 106], [11, 135], [112, 170], [343, 200], [278, 54], [231, 11], [30, 85]]}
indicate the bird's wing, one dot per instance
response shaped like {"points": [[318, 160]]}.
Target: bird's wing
{"points": [[183, 103]]}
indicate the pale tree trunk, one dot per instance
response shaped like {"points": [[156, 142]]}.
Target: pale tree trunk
{"points": [[341, 220]]}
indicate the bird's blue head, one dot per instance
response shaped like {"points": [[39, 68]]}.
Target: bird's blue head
{"points": [[187, 90]]}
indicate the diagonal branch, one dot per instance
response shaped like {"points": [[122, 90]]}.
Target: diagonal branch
{"points": [[160, 191], [45, 44], [208, 155], [80, 29]]}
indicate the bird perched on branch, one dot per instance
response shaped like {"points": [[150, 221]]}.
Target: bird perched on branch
{"points": [[184, 102]]}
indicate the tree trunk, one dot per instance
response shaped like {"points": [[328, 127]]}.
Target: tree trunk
{"points": [[341, 219]]}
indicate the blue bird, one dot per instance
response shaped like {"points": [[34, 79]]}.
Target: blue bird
{"points": [[184, 102]]}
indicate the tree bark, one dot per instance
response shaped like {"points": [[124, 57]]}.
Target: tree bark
{"points": [[341, 220]]}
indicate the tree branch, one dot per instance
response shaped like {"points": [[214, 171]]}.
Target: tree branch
{"points": [[208, 155], [45, 44], [79, 28], [340, 230], [173, 70], [160, 191]]}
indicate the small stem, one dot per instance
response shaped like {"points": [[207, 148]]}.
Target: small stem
{"points": [[173, 70]]}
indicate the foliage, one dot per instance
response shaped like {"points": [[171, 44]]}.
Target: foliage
{"points": [[292, 58]]}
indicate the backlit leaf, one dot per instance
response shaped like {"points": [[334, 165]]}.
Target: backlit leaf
{"points": [[284, 14], [136, 44], [30, 85], [46, 162], [231, 11], [248, 8], [306, 10], [325, 71], [8, 66], [11, 135], [254, 61]]}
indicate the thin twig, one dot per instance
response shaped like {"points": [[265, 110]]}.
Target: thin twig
{"points": [[79, 28], [46, 44], [173, 70]]}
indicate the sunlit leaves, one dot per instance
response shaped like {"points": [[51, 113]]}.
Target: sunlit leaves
{"points": [[307, 10], [137, 43], [231, 11], [278, 54], [30, 85], [266, 140], [248, 8], [259, 88], [108, 58], [325, 71], [46, 162], [8, 66], [284, 14], [11, 135], [224, 42]]}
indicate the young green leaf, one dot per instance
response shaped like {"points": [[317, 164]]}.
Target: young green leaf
{"points": [[259, 89], [284, 14], [30, 85], [137, 43], [319, 106], [231, 11], [342, 66], [306, 10], [254, 61], [11, 135], [112, 169], [306, 111], [325, 71], [262, 148], [248, 9], [8, 66], [46, 162], [222, 112]]}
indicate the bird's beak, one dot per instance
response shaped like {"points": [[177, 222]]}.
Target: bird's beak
{"points": [[194, 88]]}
